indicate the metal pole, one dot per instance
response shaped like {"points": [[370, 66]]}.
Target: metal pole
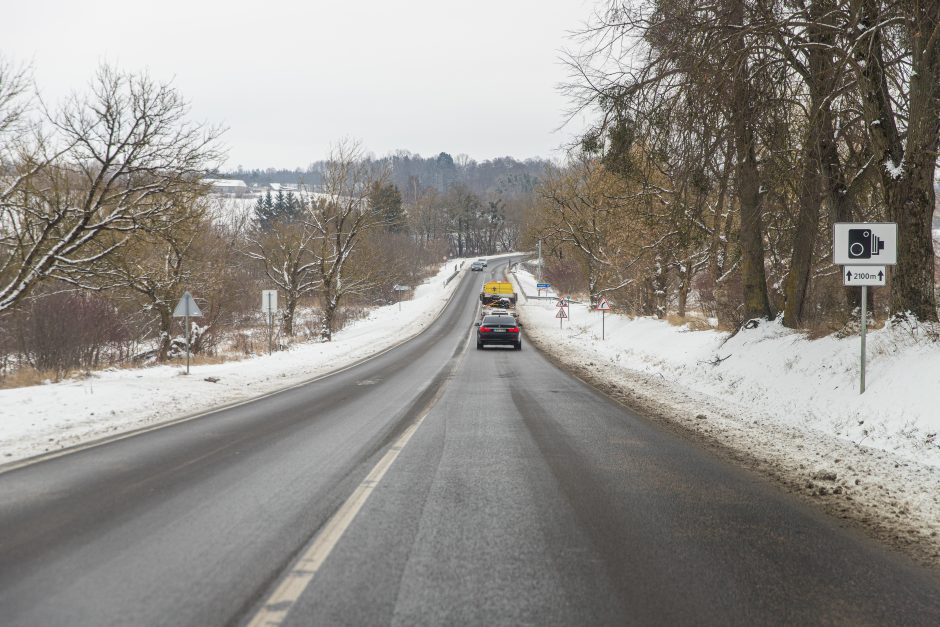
{"points": [[540, 260], [603, 319], [270, 326], [187, 336], [397, 291], [864, 330]]}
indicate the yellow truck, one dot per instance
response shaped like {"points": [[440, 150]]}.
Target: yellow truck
{"points": [[497, 293]]}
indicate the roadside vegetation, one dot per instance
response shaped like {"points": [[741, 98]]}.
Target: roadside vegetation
{"points": [[107, 216], [730, 136]]}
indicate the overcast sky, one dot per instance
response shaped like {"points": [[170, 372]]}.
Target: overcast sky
{"points": [[477, 77]]}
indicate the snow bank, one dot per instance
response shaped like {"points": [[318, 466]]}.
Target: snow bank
{"points": [[46, 418], [776, 372], [782, 404]]}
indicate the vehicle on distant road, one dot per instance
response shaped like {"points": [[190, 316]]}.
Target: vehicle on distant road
{"points": [[502, 330], [476, 266], [483, 261], [494, 292]]}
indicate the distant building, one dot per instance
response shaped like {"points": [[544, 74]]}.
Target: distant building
{"points": [[227, 187]]}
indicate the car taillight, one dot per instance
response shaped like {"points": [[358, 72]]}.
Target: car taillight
{"points": [[513, 329], [485, 329]]}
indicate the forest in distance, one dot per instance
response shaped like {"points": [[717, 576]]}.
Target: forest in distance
{"points": [[729, 137]]}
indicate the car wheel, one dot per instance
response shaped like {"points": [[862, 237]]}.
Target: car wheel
{"points": [[518, 346], [479, 346]]}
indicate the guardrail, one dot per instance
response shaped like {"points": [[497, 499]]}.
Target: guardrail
{"points": [[457, 270]]}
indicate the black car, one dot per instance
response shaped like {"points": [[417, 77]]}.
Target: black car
{"points": [[476, 266], [499, 330]]}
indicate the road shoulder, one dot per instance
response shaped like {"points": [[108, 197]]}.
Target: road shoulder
{"points": [[890, 498]]}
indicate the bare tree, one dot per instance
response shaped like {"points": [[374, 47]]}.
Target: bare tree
{"points": [[895, 49], [105, 170], [338, 219], [287, 253], [161, 261]]}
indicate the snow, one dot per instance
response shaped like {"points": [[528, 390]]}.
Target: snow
{"points": [[44, 419], [781, 403], [894, 171]]}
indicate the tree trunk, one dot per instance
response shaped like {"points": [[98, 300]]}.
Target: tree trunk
{"points": [[804, 238], [911, 204], [841, 199], [290, 306], [166, 333], [907, 164], [330, 303], [685, 286], [750, 237]]}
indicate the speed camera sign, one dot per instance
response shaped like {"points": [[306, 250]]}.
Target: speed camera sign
{"points": [[865, 243]]}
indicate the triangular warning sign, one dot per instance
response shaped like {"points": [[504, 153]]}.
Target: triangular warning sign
{"points": [[603, 305], [187, 307], [561, 303], [561, 313]]}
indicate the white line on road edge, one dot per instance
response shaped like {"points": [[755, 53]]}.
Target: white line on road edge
{"points": [[278, 605], [295, 582]]}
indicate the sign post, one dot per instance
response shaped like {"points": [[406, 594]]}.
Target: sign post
{"points": [[398, 290], [269, 306], [603, 306], [864, 249], [561, 315], [184, 309], [542, 286]]}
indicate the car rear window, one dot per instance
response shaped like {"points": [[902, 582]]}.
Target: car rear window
{"points": [[502, 321]]}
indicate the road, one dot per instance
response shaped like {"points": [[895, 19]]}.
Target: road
{"points": [[522, 497]]}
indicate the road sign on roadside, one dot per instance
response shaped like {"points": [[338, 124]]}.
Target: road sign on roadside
{"points": [[561, 302], [269, 308], [603, 306], [561, 313], [865, 243], [187, 307], [864, 249], [543, 286], [268, 301], [399, 289], [863, 275]]}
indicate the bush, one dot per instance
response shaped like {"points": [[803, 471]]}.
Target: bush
{"points": [[66, 331]]}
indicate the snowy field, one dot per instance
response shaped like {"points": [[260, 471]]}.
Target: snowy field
{"points": [[46, 418], [780, 403]]}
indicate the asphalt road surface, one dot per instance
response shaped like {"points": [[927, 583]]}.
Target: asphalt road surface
{"points": [[522, 496]]}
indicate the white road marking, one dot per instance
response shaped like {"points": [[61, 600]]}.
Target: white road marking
{"points": [[281, 601], [298, 578]]}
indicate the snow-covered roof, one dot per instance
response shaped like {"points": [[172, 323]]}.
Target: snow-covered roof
{"points": [[225, 183]]}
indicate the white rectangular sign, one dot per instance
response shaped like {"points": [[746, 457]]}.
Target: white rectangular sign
{"points": [[865, 244], [268, 301], [863, 275]]}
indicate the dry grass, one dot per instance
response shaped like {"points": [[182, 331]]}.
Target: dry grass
{"points": [[28, 376], [208, 360], [694, 323], [25, 377]]}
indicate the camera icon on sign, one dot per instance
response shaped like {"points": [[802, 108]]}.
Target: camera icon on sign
{"points": [[863, 244]]}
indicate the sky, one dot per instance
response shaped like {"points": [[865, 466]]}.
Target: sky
{"points": [[289, 79]]}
